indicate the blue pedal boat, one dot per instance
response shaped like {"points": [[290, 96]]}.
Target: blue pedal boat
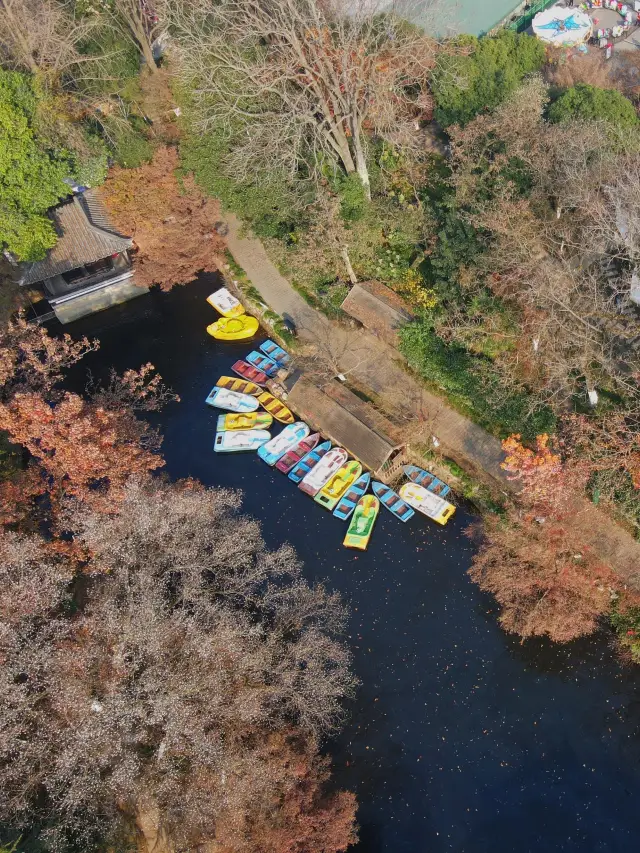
{"points": [[426, 479], [349, 500], [278, 446], [262, 362], [239, 440], [392, 501], [302, 468], [232, 401], [275, 353]]}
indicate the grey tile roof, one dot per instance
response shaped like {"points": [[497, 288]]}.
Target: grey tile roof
{"points": [[84, 236]]}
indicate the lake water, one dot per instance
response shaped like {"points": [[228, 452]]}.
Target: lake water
{"points": [[461, 739]]}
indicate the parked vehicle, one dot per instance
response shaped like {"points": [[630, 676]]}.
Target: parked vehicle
{"points": [[235, 442], [225, 303], [278, 446]]}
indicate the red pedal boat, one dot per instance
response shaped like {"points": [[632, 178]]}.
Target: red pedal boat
{"points": [[249, 372], [293, 456]]}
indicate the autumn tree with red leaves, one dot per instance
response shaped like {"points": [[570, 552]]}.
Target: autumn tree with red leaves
{"points": [[172, 224], [547, 581], [544, 582], [81, 448], [32, 360]]}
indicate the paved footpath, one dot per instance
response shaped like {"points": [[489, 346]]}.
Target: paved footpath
{"points": [[378, 368]]}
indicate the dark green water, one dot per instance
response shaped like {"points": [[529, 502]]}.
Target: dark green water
{"points": [[460, 739]]}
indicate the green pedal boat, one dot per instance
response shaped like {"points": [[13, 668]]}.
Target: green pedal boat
{"points": [[364, 517]]}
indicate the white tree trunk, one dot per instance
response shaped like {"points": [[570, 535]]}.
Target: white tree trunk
{"points": [[347, 262], [361, 165]]}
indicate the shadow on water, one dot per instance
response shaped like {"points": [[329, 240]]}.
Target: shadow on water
{"points": [[460, 738]]}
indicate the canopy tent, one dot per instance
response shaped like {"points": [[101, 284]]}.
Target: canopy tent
{"points": [[562, 27]]}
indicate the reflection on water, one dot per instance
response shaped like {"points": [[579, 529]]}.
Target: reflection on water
{"points": [[461, 739]]}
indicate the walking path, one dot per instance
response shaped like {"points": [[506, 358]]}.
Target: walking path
{"points": [[378, 369]]}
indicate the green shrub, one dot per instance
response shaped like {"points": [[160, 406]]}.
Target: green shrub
{"points": [[464, 86], [91, 166], [119, 62], [31, 174], [627, 627], [129, 146], [271, 207], [331, 299], [472, 383], [592, 104], [353, 201], [616, 487]]}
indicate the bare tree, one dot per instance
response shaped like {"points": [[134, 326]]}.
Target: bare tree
{"points": [[298, 82], [43, 36], [185, 688], [140, 25], [547, 247]]}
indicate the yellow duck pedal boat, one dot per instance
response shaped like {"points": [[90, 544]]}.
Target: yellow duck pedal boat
{"points": [[234, 328], [329, 495]]}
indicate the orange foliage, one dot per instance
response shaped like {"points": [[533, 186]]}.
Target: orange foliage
{"points": [[32, 360], [538, 470], [18, 494], [172, 225], [535, 561], [544, 581], [301, 816], [83, 449]]}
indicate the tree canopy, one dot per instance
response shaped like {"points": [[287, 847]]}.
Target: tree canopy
{"points": [[31, 176], [185, 688], [591, 103], [478, 74]]}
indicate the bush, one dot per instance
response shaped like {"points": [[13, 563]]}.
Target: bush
{"points": [[91, 166], [271, 208], [119, 62], [129, 146], [464, 86], [472, 383], [627, 626], [31, 175], [331, 299], [353, 201], [592, 104]]}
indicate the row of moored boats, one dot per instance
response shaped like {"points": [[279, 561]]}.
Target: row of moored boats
{"points": [[320, 470]]}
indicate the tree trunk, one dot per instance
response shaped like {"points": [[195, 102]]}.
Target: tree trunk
{"points": [[341, 145], [361, 165], [347, 262], [148, 56], [152, 837]]}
